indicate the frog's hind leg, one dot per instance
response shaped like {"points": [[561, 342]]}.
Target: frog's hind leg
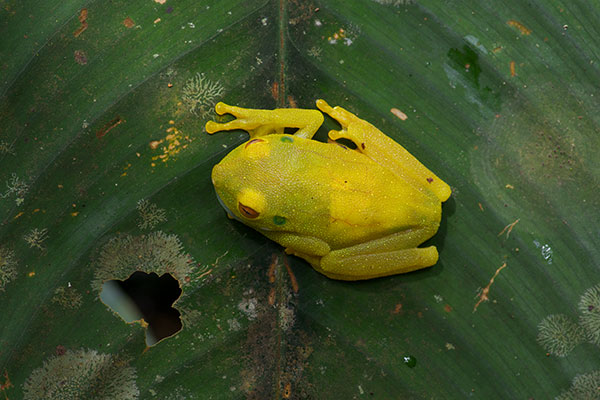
{"points": [[265, 122], [393, 254], [383, 150], [368, 266]]}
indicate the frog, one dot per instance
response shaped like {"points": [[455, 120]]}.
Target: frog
{"points": [[353, 212]]}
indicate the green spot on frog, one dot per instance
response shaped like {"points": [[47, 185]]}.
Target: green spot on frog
{"points": [[287, 139], [410, 361], [279, 220]]}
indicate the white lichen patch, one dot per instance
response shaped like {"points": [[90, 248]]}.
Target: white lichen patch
{"points": [[36, 237], [155, 252], [150, 214], [8, 266], [234, 325], [583, 387], [82, 374], [315, 52], [189, 316], [15, 186], [249, 307], [6, 148], [287, 317], [559, 335], [589, 306], [200, 94], [395, 3], [67, 297]]}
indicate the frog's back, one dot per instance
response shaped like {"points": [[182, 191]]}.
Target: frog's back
{"points": [[352, 197]]}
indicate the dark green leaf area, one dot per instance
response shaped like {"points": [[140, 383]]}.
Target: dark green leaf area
{"points": [[105, 170]]}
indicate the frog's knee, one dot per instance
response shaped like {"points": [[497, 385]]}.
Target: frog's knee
{"points": [[428, 256]]}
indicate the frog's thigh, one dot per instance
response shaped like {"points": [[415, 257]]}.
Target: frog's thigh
{"points": [[338, 265]]}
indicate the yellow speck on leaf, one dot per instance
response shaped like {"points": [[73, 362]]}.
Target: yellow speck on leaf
{"points": [[399, 114], [75, 213], [31, 274], [174, 142], [128, 22], [19, 214], [512, 69], [522, 28]]}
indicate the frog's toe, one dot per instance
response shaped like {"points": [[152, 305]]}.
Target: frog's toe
{"points": [[212, 127], [335, 135], [323, 106], [222, 108], [338, 113]]}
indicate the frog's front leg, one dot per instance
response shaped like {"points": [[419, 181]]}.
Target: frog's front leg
{"points": [[389, 255], [383, 150], [299, 245], [266, 122]]}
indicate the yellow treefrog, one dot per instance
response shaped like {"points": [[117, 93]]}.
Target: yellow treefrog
{"points": [[351, 213]]}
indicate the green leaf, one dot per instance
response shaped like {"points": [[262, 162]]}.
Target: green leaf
{"points": [[105, 170]]}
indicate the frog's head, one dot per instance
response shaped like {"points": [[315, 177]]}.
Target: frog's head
{"points": [[244, 186]]}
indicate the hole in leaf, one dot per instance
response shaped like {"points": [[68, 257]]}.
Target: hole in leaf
{"points": [[146, 298]]}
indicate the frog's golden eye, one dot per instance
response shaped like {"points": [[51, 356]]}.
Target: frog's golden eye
{"points": [[248, 212]]}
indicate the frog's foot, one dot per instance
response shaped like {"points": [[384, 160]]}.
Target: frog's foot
{"points": [[377, 146], [344, 117], [243, 120], [266, 122], [352, 126]]}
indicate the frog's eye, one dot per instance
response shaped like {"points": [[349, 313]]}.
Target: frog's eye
{"points": [[248, 212], [253, 141]]}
